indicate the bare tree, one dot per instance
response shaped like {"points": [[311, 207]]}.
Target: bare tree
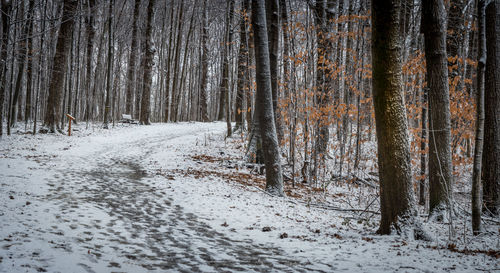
{"points": [[204, 65], [107, 105], [56, 85], [396, 190], [132, 59], [5, 10], [148, 67], [264, 104], [440, 176], [491, 156]]}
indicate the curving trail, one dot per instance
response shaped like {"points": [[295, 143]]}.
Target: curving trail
{"points": [[106, 214]]}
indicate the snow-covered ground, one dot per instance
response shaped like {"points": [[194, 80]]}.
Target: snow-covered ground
{"points": [[178, 198]]}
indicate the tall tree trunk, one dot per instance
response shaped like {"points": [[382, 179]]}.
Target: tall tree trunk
{"points": [[478, 150], [131, 62], [29, 69], [6, 13], [423, 141], [242, 67], [204, 65], [90, 43], [273, 30], [148, 67], [396, 190], [53, 111], [21, 60], [226, 88], [440, 176], [264, 104], [107, 104], [175, 85], [491, 156], [322, 94]]}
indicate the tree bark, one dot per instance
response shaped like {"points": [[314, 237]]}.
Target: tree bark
{"points": [[148, 67], [478, 149], [53, 111], [273, 30], [6, 13], [90, 44], [396, 190], [242, 68], [107, 104], [491, 156], [132, 59], [440, 170], [272, 160], [204, 66]]}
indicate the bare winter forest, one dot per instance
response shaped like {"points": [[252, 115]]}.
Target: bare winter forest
{"points": [[250, 135]]}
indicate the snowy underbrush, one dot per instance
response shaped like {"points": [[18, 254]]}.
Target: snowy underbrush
{"points": [[344, 212]]}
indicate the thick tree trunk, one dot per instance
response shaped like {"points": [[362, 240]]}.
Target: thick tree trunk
{"points": [[53, 111], [440, 170], [274, 176], [396, 190], [491, 156], [148, 67]]}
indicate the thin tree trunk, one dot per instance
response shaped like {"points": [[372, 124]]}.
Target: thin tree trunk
{"points": [[204, 65], [107, 105], [478, 150], [242, 68]]}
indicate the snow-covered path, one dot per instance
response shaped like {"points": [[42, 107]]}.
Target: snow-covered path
{"points": [[125, 200], [103, 212]]}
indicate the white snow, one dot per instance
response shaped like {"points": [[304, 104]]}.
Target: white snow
{"points": [[139, 199]]}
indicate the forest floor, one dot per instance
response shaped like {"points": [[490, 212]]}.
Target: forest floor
{"points": [[179, 198]]}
